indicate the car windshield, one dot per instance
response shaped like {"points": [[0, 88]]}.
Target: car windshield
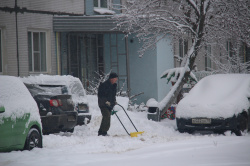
{"points": [[46, 89]]}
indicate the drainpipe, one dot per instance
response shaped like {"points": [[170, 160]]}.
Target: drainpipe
{"points": [[127, 66], [17, 52]]}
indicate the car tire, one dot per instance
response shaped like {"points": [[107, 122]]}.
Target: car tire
{"points": [[71, 130], [242, 124], [33, 140], [181, 131]]}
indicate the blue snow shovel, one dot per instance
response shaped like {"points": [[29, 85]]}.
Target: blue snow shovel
{"points": [[134, 134]]}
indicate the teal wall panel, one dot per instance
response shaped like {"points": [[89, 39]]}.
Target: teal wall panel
{"points": [[89, 7], [165, 60], [143, 72]]}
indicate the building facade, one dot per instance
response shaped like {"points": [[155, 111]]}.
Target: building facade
{"points": [[79, 38]]}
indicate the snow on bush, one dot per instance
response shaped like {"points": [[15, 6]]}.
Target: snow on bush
{"points": [[215, 96]]}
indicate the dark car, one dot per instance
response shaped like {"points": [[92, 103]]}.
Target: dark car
{"points": [[217, 103], [56, 109], [65, 84]]}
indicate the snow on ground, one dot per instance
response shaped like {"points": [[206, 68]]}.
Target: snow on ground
{"points": [[160, 145]]}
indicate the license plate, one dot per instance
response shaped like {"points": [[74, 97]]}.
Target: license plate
{"points": [[201, 121], [82, 107], [71, 119]]}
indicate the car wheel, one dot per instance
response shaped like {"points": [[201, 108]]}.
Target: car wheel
{"points": [[181, 131], [71, 130], [242, 124], [33, 140], [185, 131]]}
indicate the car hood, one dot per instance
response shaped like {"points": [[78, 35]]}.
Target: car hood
{"points": [[216, 96]]}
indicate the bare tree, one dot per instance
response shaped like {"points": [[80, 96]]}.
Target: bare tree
{"points": [[232, 58], [204, 21]]}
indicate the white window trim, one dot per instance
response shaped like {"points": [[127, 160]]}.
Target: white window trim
{"points": [[46, 50]]}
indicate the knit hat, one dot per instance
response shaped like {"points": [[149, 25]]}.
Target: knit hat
{"points": [[113, 75]]}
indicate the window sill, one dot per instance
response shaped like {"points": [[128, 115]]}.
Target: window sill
{"points": [[103, 11]]}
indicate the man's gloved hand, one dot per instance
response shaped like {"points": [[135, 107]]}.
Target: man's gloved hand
{"points": [[113, 112], [108, 103]]}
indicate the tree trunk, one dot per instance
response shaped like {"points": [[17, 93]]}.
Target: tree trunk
{"points": [[173, 95]]}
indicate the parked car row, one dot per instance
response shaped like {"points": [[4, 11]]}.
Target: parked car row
{"points": [[37, 105]]}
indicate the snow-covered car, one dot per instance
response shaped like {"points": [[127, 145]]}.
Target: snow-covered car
{"points": [[72, 86], [216, 103], [56, 109], [20, 123]]}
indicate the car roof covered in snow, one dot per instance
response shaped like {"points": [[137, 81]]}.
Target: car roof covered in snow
{"points": [[16, 99], [216, 96], [74, 85]]}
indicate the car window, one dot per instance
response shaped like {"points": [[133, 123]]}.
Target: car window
{"points": [[42, 89], [76, 89], [54, 89], [34, 89]]}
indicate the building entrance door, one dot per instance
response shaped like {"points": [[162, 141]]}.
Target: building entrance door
{"points": [[92, 55]]}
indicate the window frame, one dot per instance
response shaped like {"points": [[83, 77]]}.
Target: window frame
{"points": [[109, 2], [229, 47], [32, 51], [183, 47], [208, 61]]}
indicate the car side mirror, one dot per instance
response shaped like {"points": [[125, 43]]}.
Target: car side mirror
{"points": [[2, 109]]}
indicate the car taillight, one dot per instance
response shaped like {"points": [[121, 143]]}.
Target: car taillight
{"points": [[55, 102]]}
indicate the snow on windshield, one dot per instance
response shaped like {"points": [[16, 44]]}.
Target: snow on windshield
{"points": [[16, 99], [215, 96]]}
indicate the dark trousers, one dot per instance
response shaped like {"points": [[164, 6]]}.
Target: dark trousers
{"points": [[105, 124]]}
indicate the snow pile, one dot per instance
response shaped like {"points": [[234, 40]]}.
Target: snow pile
{"points": [[17, 100], [215, 96], [160, 145], [103, 11], [152, 103], [85, 137], [73, 84]]}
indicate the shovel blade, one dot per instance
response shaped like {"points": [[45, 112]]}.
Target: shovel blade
{"points": [[134, 134]]}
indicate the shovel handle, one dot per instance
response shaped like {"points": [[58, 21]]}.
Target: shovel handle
{"points": [[122, 123], [128, 117]]}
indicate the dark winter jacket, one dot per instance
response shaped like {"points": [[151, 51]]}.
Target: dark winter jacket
{"points": [[107, 92]]}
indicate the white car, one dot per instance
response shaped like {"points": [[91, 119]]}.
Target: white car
{"points": [[70, 85], [216, 103]]}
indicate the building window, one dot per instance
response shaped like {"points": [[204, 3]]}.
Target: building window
{"points": [[1, 57], [230, 49], [208, 58], [37, 51], [183, 47], [244, 53], [102, 3]]}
